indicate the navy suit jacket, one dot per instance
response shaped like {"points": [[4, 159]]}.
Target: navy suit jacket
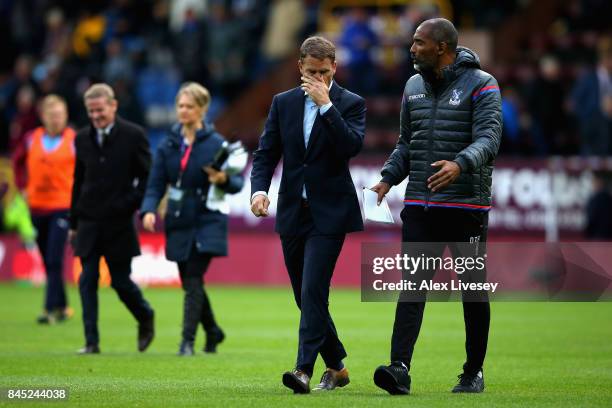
{"points": [[322, 166]]}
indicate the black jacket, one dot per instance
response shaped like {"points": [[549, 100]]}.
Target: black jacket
{"points": [[458, 118], [109, 184], [322, 166], [190, 225]]}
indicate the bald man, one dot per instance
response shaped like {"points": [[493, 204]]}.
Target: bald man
{"points": [[450, 130]]}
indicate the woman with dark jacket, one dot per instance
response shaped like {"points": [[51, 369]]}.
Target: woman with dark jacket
{"points": [[196, 216]]}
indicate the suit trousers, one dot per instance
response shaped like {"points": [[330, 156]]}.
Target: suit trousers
{"points": [[310, 258], [196, 305], [446, 226], [126, 289]]}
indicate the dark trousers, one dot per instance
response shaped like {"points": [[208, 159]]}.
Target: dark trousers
{"points": [[196, 305], [52, 231], [126, 289], [310, 258], [443, 225]]}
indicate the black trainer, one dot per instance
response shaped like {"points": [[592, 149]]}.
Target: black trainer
{"points": [[63, 314], [470, 383], [393, 378], [45, 318]]}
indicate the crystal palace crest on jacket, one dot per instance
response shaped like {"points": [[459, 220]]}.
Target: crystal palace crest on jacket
{"points": [[454, 99]]}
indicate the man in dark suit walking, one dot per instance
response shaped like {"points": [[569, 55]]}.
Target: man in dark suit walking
{"points": [[316, 128], [112, 165]]}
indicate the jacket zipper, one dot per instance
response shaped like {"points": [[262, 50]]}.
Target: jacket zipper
{"points": [[430, 145]]}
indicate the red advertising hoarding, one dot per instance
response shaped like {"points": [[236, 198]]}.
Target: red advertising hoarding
{"points": [[533, 200]]}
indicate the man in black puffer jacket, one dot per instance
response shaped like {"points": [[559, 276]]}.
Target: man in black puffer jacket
{"points": [[451, 125]]}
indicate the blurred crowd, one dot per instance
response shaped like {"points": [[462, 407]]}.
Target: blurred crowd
{"points": [[374, 42], [556, 93], [144, 49]]}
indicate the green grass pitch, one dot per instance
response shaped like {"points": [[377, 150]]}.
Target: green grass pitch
{"points": [[540, 354]]}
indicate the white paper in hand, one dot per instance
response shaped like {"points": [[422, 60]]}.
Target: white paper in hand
{"points": [[374, 212]]}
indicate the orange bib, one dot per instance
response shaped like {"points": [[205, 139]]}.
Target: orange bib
{"points": [[50, 173]]}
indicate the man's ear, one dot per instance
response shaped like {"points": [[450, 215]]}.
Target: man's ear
{"points": [[442, 48]]}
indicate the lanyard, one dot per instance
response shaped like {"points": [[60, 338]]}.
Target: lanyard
{"points": [[185, 157], [184, 161]]}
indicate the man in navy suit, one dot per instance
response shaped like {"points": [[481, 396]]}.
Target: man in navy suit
{"points": [[316, 128]]}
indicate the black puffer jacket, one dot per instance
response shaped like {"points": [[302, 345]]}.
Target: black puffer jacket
{"points": [[459, 118]]}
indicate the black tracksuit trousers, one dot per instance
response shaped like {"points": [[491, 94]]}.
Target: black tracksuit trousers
{"points": [[446, 226]]}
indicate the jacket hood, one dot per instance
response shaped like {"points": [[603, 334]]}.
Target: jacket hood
{"points": [[466, 58]]}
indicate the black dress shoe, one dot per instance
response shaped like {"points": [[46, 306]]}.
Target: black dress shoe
{"points": [[470, 383], [146, 332], [89, 349], [213, 338], [333, 378], [186, 349], [393, 378], [297, 380]]}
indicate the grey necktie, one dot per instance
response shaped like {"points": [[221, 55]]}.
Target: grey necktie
{"points": [[101, 137]]}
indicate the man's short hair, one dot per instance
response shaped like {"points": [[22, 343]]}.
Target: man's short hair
{"points": [[200, 95], [319, 48], [100, 90], [442, 30]]}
